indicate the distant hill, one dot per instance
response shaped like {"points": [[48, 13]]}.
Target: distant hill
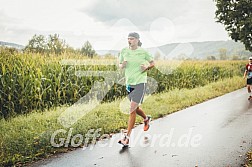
{"points": [[210, 48], [11, 45], [196, 50]]}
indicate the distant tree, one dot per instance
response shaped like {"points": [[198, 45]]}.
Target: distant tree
{"points": [[243, 54], [235, 57], [8, 50], [87, 50], [236, 16], [55, 44], [223, 54], [69, 49], [36, 45], [211, 58]]}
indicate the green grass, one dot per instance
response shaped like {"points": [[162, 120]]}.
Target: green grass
{"points": [[26, 138], [249, 158]]}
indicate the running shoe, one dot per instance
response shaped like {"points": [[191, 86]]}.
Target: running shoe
{"points": [[147, 123]]}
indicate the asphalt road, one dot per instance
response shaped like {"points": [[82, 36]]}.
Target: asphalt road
{"points": [[216, 133]]}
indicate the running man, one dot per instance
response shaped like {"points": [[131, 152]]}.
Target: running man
{"points": [[136, 62], [248, 75]]}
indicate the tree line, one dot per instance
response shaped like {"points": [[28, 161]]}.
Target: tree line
{"points": [[53, 44]]}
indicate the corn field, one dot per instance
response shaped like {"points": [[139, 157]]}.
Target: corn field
{"points": [[35, 82]]}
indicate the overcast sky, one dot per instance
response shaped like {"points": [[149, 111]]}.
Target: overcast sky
{"points": [[106, 23]]}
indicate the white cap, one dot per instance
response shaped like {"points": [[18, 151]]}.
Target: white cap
{"points": [[250, 58]]}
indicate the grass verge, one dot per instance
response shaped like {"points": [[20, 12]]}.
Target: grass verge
{"points": [[26, 138], [249, 159]]}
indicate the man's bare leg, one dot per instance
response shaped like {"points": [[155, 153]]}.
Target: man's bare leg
{"points": [[140, 112], [131, 122], [132, 117], [249, 88]]}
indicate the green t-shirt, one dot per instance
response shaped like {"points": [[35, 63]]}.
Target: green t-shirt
{"points": [[135, 58]]}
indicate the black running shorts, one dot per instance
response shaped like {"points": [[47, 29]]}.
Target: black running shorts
{"points": [[249, 81]]}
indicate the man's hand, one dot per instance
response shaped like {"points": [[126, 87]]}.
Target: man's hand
{"points": [[144, 68], [123, 64]]}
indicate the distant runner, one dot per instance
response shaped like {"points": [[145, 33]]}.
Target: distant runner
{"points": [[248, 75], [136, 62]]}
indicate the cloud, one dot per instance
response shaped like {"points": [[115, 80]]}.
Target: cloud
{"points": [[7, 20], [8, 28], [141, 12], [106, 23]]}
